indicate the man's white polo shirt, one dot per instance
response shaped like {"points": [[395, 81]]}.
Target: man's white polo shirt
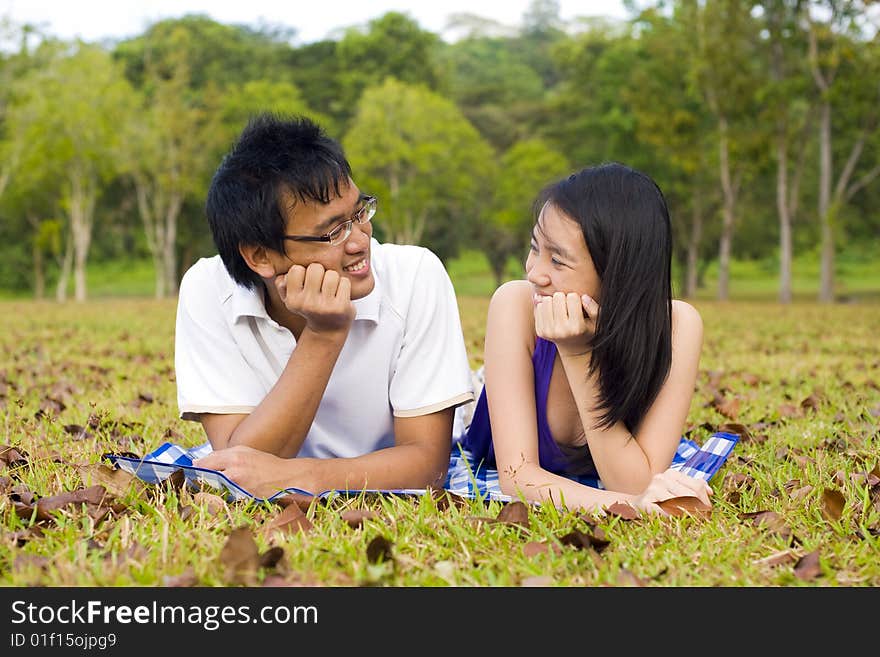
{"points": [[404, 355]]}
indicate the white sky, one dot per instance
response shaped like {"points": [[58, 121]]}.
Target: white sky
{"points": [[95, 20]]}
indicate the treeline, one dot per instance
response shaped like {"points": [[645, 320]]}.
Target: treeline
{"points": [[758, 119]]}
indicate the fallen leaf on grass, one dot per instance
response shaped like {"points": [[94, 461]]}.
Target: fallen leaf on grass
{"points": [[290, 521], [728, 407], [303, 501], [771, 521], [240, 557], [623, 511], [116, 481], [213, 504], [514, 513], [738, 429], [833, 503], [686, 505], [802, 492], [580, 540], [271, 557], [807, 567], [533, 549], [379, 549], [356, 517], [444, 499], [12, 456]]}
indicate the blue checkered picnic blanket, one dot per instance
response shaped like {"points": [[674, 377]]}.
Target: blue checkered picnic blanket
{"points": [[465, 478]]}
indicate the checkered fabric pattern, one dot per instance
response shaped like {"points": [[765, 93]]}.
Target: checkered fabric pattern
{"points": [[168, 458], [465, 478], [701, 461]]}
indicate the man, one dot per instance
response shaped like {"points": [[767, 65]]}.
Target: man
{"points": [[314, 356]]}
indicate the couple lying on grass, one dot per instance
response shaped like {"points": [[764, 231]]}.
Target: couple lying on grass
{"points": [[319, 358]]}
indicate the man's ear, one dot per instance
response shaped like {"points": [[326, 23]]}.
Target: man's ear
{"points": [[259, 259]]}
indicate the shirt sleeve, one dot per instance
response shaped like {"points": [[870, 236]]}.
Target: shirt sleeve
{"points": [[211, 372], [432, 371]]}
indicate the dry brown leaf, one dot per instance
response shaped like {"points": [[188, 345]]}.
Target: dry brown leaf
{"points": [[769, 520], [290, 521], [379, 549], [622, 510], [811, 403], [240, 557], [580, 540], [728, 407], [802, 492], [807, 567], [788, 410], [833, 503], [738, 429], [271, 557], [356, 517], [213, 504], [303, 501], [686, 505], [533, 549], [514, 513], [116, 481]]}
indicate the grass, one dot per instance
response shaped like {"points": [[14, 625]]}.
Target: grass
{"points": [[78, 380]]}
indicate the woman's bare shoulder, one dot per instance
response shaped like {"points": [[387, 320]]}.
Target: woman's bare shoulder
{"points": [[686, 319], [513, 293], [511, 306]]}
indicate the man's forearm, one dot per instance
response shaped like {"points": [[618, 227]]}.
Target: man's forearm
{"points": [[280, 423], [401, 466]]}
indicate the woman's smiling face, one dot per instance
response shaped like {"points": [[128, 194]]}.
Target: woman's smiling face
{"points": [[559, 260]]}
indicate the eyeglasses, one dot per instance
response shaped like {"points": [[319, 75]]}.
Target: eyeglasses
{"points": [[339, 234]]}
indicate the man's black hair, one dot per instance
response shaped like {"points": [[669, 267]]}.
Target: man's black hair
{"points": [[274, 157]]}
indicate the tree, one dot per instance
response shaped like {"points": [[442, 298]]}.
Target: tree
{"points": [[420, 156], [845, 71], [789, 112], [70, 111], [523, 171], [723, 67], [673, 121], [393, 45]]}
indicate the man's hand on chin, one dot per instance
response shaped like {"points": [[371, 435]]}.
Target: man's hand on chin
{"points": [[260, 473]]}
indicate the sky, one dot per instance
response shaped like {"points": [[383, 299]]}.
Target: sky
{"points": [[97, 20]]}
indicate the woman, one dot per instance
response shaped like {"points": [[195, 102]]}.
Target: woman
{"points": [[590, 365]]}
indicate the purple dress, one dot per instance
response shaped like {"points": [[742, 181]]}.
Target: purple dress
{"points": [[570, 462]]}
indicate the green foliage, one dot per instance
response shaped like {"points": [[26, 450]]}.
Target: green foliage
{"points": [[421, 157]]}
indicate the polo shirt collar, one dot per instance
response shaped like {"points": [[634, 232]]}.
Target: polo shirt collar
{"points": [[244, 302]]}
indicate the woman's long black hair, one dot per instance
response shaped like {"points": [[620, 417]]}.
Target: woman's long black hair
{"points": [[623, 216]]}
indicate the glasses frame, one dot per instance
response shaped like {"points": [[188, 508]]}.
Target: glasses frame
{"points": [[363, 216]]}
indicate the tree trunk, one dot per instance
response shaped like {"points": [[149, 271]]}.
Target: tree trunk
{"points": [[39, 272], [169, 248], [82, 206], [826, 276], [782, 208], [693, 251], [728, 212], [64, 275]]}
